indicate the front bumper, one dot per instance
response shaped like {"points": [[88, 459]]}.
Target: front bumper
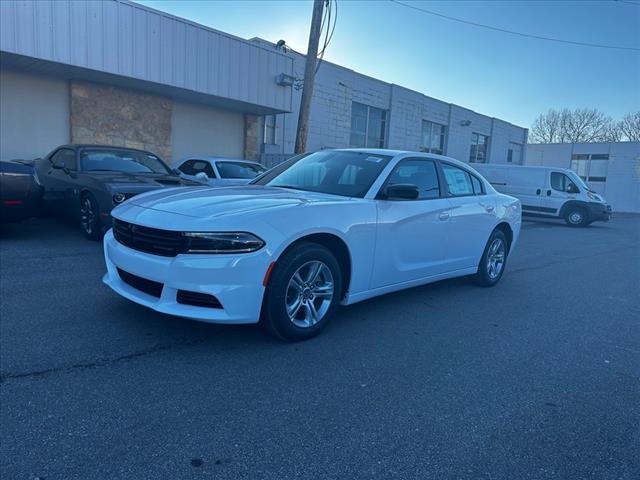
{"points": [[235, 280], [599, 211]]}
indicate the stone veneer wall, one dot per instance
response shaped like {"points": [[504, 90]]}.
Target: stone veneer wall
{"points": [[252, 137], [115, 116]]}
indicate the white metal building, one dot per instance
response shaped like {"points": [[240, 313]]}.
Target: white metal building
{"points": [[115, 72], [612, 169]]}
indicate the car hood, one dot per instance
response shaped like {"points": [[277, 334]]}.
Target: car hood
{"points": [[123, 181], [207, 202]]}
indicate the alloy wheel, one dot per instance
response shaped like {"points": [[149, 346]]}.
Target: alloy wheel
{"points": [[87, 216], [309, 294], [495, 258]]}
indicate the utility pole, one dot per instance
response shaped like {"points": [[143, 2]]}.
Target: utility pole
{"points": [[309, 75]]}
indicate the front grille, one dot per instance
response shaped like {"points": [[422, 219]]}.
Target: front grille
{"points": [[197, 299], [144, 285], [150, 240]]}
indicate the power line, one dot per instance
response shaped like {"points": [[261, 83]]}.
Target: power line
{"points": [[330, 29], [637, 4], [512, 32]]}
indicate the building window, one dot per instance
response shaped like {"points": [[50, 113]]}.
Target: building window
{"points": [[479, 148], [590, 167], [368, 126], [514, 153], [432, 137], [270, 129]]}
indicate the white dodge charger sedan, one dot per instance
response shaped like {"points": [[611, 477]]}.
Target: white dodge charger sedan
{"points": [[329, 228]]}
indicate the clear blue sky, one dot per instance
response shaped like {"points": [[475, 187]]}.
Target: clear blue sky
{"points": [[497, 74]]}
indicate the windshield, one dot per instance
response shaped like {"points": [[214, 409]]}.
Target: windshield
{"points": [[239, 169], [346, 173], [129, 161]]}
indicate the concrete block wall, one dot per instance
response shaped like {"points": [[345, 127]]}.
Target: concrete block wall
{"points": [[337, 87], [408, 109], [459, 134]]}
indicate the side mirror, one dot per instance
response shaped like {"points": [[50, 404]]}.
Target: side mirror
{"points": [[176, 171], [59, 165], [403, 191], [571, 188], [203, 177]]}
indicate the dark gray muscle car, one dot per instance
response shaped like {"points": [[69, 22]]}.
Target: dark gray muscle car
{"points": [[84, 182]]}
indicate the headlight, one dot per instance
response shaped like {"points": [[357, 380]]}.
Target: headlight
{"points": [[221, 242], [595, 197], [119, 198]]}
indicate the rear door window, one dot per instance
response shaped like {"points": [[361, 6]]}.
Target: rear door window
{"points": [[458, 180], [478, 188]]}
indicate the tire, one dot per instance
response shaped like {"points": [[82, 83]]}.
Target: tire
{"points": [[576, 217], [90, 217], [294, 309], [490, 269]]}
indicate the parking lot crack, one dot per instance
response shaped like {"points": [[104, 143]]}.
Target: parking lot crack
{"points": [[101, 362]]}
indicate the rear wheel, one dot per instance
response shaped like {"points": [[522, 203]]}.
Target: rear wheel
{"points": [[493, 260], [576, 217], [303, 292], [90, 217]]}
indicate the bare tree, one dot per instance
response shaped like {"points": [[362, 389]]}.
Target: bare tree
{"points": [[573, 126], [546, 128], [629, 127]]}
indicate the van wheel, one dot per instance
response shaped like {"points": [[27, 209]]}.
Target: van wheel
{"points": [[493, 260], [303, 292], [576, 217]]}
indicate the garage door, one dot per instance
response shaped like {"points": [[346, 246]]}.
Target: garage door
{"points": [[202, 130], [34, 114]]}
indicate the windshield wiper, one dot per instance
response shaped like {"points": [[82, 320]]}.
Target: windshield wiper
{"points": [[290, 187]]}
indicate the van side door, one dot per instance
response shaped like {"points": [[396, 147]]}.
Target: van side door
{"points": [[527, 186]]}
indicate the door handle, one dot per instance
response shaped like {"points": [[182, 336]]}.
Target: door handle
{"points": [[444, 216], [538, 192], [548, 193]]}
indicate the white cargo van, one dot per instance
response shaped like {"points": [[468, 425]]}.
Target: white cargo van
{"points": [[548, 192]]}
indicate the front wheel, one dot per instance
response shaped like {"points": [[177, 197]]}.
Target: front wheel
{"points": [[303, 293], [90, 217], [576, 217], [493, 260]]}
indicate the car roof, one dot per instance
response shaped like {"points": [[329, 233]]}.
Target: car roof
{"points": [[395, 153], [216, 159], [373, 151], [99, 146]]}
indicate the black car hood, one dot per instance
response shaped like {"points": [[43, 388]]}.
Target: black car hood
{"points": [[123, 181]]}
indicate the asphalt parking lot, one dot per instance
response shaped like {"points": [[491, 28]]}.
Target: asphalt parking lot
{"points": [[537, 378]]}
